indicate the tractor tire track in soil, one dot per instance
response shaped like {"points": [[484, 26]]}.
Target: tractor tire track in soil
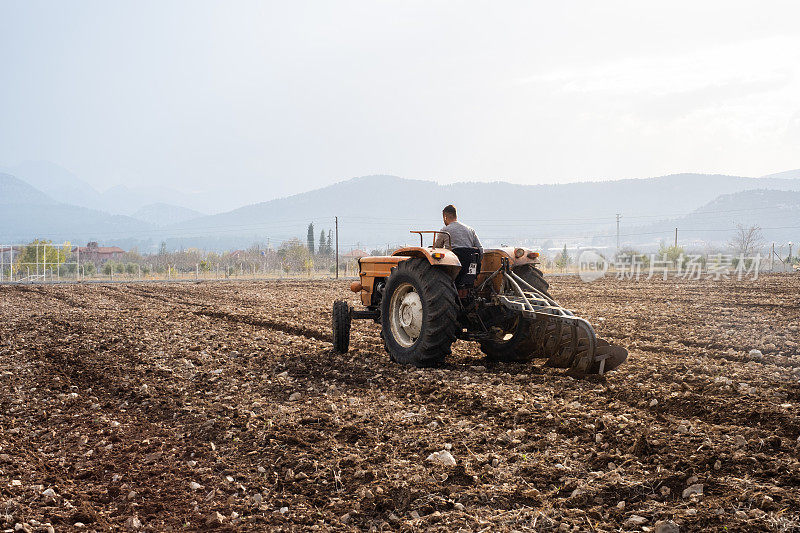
{"points": [[222, 405]]}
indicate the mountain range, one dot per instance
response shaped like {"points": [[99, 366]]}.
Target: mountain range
{"points": [[27, 213], [65, 187], [378, 211]]}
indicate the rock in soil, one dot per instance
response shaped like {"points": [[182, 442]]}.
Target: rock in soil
{"points": [[442, 457]]}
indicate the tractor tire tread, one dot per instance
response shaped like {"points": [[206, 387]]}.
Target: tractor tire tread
{"points": [[534, 277], [439, 302], [341, 320]]}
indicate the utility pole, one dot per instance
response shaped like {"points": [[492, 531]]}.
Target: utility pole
{"points": [[336, 219], [676, 237], [619, 216]]}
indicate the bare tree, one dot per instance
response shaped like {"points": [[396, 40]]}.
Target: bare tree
{"points": [[747, 241]]}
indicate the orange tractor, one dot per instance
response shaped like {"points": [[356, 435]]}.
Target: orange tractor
{"points": [[425, 298]]}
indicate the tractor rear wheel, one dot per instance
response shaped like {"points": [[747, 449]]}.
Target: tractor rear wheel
{"points": [[534, 277], [418, 313], [517, 345], [341, 326]]}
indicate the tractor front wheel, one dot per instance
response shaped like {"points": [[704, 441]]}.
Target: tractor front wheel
{"points": [[341, 326], [418, 313]]}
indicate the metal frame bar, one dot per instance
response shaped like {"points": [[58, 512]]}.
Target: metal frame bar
{"points": [[449, 240]]}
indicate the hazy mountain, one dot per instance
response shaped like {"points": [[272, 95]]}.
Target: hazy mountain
{"points": [[776, 212], [787, 174], [160, 214], [376, 211], [65, 187], [28, 213], [14, 191], [57, 182], [379, 210]]}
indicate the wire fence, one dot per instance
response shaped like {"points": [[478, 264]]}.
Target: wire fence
{"points": [[45, 262]]}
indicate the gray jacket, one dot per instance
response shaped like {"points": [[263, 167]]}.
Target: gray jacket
{"points": [[461, 236]]}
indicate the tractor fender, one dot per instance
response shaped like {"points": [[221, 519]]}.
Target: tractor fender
{"points": [[438, 257]]}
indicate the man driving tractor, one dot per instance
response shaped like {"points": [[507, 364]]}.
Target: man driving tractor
{"points": [[424, 298], [461, 235]]}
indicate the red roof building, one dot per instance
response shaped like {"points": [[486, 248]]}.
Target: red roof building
{"points": [[355, 254], [98, 254]]}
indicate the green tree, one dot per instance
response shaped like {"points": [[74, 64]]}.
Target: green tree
{"points": [[41, 254], [310, 238], [631, 256], [673, 254], [294, 256], [321, 246], [328, 244], [563, 259]]}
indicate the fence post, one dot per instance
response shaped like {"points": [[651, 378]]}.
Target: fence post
{"points": [[337, 246], [772, 259]]}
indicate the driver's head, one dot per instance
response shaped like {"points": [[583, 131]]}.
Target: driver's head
{"points": [[449, 214]]}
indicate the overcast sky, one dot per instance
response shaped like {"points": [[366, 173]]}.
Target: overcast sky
{"points": [[281, 97]]}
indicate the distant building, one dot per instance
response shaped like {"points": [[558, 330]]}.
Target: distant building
{"points": [[355, 254], [6, 252], [98, 254]]}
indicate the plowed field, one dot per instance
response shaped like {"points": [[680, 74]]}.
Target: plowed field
{"points": [[192, 406]]}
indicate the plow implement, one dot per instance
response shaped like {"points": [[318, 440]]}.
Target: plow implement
{"points": [[557, 334]]}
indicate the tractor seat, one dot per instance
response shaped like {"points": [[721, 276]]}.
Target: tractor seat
{"points": [[470, 259]]}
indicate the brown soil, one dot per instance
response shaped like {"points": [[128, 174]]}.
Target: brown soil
{"points": [[191, 406]]}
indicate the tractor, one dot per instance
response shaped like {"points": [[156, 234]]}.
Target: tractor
{"points": [[424, 298]]}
